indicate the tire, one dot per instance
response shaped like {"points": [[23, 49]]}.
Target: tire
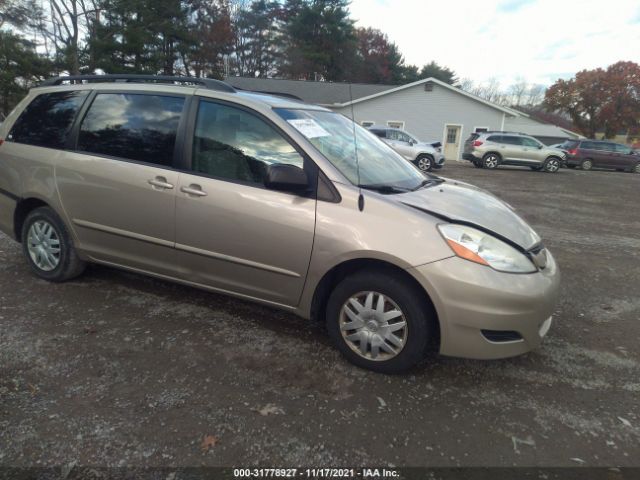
{"points": [[491, 161], [424, 162], [551, 165], [586, 164], [636, 168], [391, 355], [48, 248]]}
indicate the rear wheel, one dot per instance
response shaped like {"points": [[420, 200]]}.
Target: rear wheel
{"points": [[551, 165], [586, 164], [424, 163], [48, 248], [490, 161], [380, 321], [636, 169]]}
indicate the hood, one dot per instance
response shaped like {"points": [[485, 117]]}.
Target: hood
{"points": [[462, 202]]}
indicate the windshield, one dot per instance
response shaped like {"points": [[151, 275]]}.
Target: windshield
{"points": [[333, 135]]}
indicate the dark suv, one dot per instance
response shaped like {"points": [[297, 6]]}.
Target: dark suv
{"points": [[588, 154]]}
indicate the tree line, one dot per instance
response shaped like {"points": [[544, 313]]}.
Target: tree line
{"points": [[296, 39]]}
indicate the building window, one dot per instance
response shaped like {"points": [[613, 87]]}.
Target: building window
{"points": [[367, 123], [396, 124], [452, 134]]}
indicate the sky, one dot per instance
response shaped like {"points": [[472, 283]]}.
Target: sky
{"points": [[538, 40]]}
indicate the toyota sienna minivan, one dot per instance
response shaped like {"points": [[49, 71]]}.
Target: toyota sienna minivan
{"points": [[274, 201]]}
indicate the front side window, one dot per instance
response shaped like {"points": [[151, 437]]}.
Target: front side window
{"points": [[132, 126], [530, 142], [234, 144], [362, 158], [623, 149], [398, 135], [47, 120]]}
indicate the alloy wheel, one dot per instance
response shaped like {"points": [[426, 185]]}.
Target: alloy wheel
{"points": [[424, 164], [553, 165], [587, 164], [491, 161], [373, 326], [43, 244], [637, 168]]}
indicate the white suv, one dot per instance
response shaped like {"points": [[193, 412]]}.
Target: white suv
{"points": [[426, 156]]}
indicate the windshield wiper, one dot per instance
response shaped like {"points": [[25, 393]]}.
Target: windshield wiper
{"points": [[428, 182], [382, 188]]}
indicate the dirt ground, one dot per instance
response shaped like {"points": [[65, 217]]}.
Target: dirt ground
{"points": [[115, 369]]}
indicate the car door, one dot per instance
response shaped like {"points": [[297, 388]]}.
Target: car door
{"points": [[513, 150], [622, 156], [399, 141], [532, 150], [118, 186], [604, 153], [232, 233]]}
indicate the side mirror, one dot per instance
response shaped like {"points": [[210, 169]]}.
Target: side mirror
{"points": [[286, 178]]}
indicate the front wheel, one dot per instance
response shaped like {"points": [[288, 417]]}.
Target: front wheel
{"points": [[380, 321], [551, 165], [48, 247], [490, 161], [424, 163]]}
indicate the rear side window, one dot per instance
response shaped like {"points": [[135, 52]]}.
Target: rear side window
{"points": [[589, 145], [512, 140], [622, 149], [379, 133], [234, 144], [132, 126], [47, 120], [494, 138]]}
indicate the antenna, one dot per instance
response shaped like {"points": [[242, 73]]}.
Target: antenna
{"points": [[355, 146]]}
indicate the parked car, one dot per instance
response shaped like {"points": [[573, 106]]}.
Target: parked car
{"points": [[426, 156], [492, 149], [588, 154], [265, 199]]}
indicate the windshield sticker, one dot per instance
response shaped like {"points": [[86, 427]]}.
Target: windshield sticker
{"points": [[309, 128]]}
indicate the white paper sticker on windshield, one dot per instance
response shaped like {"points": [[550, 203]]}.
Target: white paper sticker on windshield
{"points": [[309, 128]]}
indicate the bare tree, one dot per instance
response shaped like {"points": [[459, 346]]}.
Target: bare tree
{"points": [[70, 20], [517, 91]]}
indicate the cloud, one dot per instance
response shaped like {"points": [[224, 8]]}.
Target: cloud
{"points": [[535, 39], [510, 6]]}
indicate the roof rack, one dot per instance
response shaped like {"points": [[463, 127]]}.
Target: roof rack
{"points": [[503, 131], [209, 83]]}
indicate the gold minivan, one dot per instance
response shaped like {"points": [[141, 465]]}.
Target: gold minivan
{"points": [[275, 201]]}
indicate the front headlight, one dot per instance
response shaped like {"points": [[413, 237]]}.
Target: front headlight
{"points": [[479, 247]]}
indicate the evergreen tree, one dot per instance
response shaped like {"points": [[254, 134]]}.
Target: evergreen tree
{"points": [[320, 40]]}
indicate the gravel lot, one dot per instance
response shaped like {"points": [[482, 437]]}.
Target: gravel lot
{"points": [[115, 369]]}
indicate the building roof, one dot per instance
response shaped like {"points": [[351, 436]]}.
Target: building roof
{"points": [[321, 93], [457, 90]]}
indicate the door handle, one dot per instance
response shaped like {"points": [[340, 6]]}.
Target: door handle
{"points": [[160, 182], [194, 190]]}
